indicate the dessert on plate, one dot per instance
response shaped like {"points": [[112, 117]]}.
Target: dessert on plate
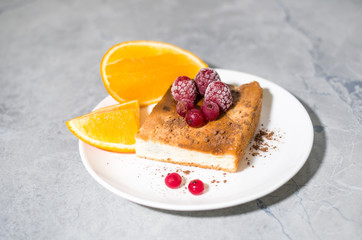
{"points": [[200, 121], [219, 144]]}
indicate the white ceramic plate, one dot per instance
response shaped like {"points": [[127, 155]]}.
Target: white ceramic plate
{"points": [[142, 181]]}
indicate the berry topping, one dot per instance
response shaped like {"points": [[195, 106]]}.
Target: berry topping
{"points": [[184, 88], [196, 187], [210, 110], [204, 77], [183, 106], [173, 180], [195, 118], [219, 93]]}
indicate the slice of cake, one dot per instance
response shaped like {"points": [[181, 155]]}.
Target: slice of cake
{"points": [[220, 144]]}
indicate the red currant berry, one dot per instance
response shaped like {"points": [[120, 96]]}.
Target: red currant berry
{"points": [[195, 118], [173, 180], [184, 88], [204, 77], [196, 187], [183, 106], [210, 110]]}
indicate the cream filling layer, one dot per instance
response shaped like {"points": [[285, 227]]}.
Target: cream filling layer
{"points": [[167, 153]]}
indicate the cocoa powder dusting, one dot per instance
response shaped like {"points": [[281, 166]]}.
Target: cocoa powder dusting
{"points": [[263, 142], [187, 172]]}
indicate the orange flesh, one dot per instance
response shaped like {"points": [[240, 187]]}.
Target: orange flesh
{"points": [[111, 128], [155, 79], [144, 70]]}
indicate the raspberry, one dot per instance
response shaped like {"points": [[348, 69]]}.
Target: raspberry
{"points": [[204, 77], [219, 93], [183, 106], [184, 88]]}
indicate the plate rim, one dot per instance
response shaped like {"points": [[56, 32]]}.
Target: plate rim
{"points": [[211, 206]]}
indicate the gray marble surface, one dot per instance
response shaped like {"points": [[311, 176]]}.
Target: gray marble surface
{"points": [[49, 73]]}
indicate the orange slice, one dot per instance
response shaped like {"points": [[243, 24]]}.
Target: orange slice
{"points": [[111, 128], [144, 70]]}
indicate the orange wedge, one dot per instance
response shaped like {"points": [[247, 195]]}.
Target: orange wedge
{"points": [[144, 70], [111, 128]]}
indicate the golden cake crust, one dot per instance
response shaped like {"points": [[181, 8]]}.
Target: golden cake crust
{"points": [[228, 135]]}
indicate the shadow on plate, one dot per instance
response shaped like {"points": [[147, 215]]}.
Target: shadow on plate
{"points": [[288, 189]]}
